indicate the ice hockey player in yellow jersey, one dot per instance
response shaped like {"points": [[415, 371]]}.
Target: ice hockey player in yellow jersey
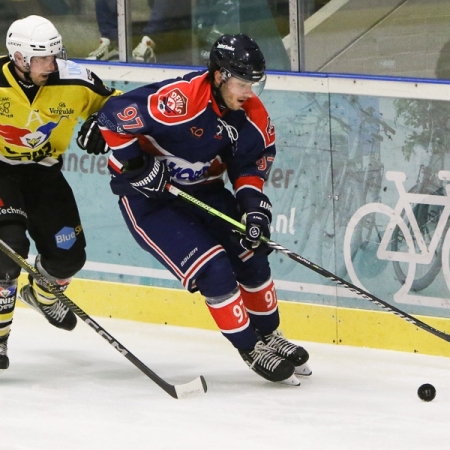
{"points": [[42, 97]]}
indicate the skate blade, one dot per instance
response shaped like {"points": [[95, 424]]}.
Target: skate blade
{"points": [[303, 370], [291, 381]]}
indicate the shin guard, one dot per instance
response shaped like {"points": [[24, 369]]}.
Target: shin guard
{"points": [[232, 319], [262, 306]]}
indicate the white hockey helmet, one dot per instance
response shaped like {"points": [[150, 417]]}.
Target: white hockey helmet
{"points": [[34, 36]]}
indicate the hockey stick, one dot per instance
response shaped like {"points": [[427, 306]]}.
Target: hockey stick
{"points": [[191, 389], [320, 270]]}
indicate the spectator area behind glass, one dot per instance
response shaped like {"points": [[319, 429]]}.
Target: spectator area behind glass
{"points": [[183, 33], [401, 38]]}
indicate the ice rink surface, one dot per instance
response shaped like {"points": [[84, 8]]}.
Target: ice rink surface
{"points": [[74, 391]]}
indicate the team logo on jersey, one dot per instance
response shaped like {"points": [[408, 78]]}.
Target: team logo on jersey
{"points": [[23, 137], [174, 103]]}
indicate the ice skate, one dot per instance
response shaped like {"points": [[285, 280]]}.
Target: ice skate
{"points": [[105, 51], [144, 52], [297, 355], [266, 363], [56, 312]]}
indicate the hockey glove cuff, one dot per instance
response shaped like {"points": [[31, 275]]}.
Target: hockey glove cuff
{"points": [[90, 137], [150, 179]]}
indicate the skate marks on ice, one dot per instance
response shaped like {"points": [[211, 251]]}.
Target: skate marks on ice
{"points": [[70, 390]]}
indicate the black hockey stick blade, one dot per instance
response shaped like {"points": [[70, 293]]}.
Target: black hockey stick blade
{"points": [[187, 390], [310, 265]]}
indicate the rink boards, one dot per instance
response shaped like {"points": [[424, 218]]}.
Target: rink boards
{"points": [[346, 145]]}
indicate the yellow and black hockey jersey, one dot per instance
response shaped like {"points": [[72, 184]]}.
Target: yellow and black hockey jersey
{"points": [[40, 132]]}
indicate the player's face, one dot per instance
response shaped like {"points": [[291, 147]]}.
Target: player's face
{"points": [[235, 92], [40, 68]]}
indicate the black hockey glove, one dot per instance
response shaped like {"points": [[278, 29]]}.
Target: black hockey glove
{"points": [[90, 137], [150, 179], [257, 217]]}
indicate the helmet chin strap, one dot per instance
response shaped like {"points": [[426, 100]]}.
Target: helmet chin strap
{"points": [[28, 77], [224, 76], [218, 96], [26, 74]]}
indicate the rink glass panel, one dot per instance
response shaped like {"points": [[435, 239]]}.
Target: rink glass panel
{"points": [[394, 38]]}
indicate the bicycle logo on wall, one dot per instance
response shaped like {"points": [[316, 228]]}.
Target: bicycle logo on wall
{"points": [[352, 155], [413, 235], [414, 238]]}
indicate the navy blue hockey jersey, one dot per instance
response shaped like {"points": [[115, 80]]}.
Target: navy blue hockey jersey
{"points": [[179, 122]]}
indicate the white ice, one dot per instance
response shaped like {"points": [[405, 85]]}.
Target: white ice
{"points": [[74, 391]]}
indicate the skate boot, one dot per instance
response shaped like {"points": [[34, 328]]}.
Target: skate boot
{"points": [[297, 355], [266, 363], [106, 51], [145, 51], [4, 360], [51, 308]]}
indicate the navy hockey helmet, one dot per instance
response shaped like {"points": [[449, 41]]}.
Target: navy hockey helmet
{"points": [[239, 55]]}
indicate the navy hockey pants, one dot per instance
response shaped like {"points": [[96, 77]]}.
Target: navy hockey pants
{"points": [[199, 249]]}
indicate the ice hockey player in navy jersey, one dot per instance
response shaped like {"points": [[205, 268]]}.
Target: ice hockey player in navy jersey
{"points": [[191, 132]]}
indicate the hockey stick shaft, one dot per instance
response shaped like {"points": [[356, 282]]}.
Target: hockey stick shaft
{"points": [[197, 386], [310, 265]]}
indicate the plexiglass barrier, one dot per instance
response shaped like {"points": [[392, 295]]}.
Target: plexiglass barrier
{"points": [[398, 38]]}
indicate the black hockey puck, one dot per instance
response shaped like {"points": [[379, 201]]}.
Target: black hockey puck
{"points": [[426, 392]]}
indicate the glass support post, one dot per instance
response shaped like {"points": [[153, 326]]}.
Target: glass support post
{"points": [[124, 27], [297, 35]]}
